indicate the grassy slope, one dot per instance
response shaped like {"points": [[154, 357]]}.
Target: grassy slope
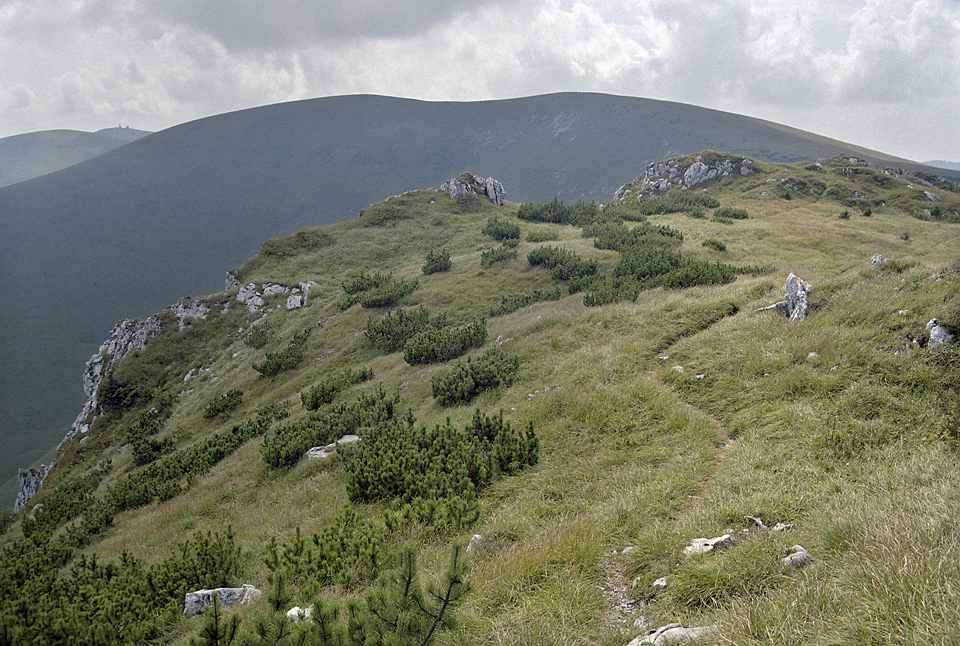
{"points": [[853, 446]]}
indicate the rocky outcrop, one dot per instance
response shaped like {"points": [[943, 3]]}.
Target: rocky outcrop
{"points": [[795, 307], [30, 482], [189, 308], [298, 298], [195, 602], [467, 184], [231, 281], [684, 173], [248, 296]]}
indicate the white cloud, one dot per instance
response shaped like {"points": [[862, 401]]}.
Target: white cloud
{"points": [[91, 63]]}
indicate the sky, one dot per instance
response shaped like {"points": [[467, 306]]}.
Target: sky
{"points": [[884, 74]]}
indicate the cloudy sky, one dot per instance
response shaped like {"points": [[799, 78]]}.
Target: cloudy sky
{"points": [[879, 73]]}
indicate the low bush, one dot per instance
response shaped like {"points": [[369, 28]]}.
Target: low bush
{"points": [[324, 392], [488, 258], [501, 229], [223, 403], [580, 214], [436, 262], [562, 263], [468, 379], [392, 332], [433, 345], [716, 245], [731, 213], [513, 302], [290, 357], [675, 202]]}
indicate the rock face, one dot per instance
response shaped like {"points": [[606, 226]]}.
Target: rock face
{"points": [[795, 307], [471, 184], [195, 602], [248, 296], [30, 482], [659, 177], [189, 308], [231, 281], [675, 633]]}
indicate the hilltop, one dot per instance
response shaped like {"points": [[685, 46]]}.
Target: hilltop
{"points": [[131, 230], [625, 394]]}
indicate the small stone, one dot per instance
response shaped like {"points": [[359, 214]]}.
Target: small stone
{"points": [[195, 602], [797, 557], [660, 584], [297, 614], [813, 355], [707, 545], [782, 527], [475, 543], [678, 369], [878, 260], [627, 551]]}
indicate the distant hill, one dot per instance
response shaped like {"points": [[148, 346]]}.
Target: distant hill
{"points": [[30, 155], [947, 165], [129, 231]]}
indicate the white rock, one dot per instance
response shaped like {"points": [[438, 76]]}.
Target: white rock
{"points": [[674, 633], [660, 584], [195, 602], [938, 334], [475, 543], [797, 557], [294, 302], [272, 288], [878, 260], [707, 545], [297, 614]]}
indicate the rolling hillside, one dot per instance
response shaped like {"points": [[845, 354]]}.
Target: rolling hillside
{"points": [[628, 395], [128, 232]]}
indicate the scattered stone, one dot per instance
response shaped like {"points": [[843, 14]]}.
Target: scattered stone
{"points": [[627, 551], [673, 633], [189, 308], [248, 296], [782, 527], [297, 614], [795, 307], [678, 369], [272, 288], [878, 260], [813, 355], [796, 557], [930, 196], [231, 281], [700, 377], [938, 334], [641, 623], [707, 545], [660, 584], [294, 302], [195, 602], [475, 542]]}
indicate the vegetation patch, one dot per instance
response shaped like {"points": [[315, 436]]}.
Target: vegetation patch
{"points": [[466, 380], [326, 391]]}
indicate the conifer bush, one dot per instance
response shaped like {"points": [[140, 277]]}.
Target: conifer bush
{"points": [[555, 211], [223, 403], [562, 263], [394, 329], [488, 258], [501, 229], [325, 391], [436, 346], [467, 379], [290, 357], [436, 262], [513, 302]]}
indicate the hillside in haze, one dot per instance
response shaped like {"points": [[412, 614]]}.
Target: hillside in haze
{"points": [[610, 406], [129, 231], [30, 155]]}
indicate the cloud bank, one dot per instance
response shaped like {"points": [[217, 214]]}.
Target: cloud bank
{"points": [[879, 73]]}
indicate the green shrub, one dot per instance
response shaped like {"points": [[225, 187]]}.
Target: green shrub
{"points": [[381, 215], [562, 263], [436, 262], [144, 447], [580, 214], [364, 282], [674, 202], [388, 294], [433, 345], [258, 337], [468, 379], [513, 302], [618, 237], [714, 244], [392, 332], [223, 403], [290, 357], [488, 258], [731, 213], [325, 391], [501, 229]]}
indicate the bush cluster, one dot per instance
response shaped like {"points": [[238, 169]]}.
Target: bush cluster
{"points": [[468, 379], [285, 444], [324, 392], [405, 463], [731, 213], [513, 302], [381, 215], [716, 245], [223, 403], [375, 290], [144, 446], [618, 237], [258, 337], [436, 262], [290, 357], [562, 263], [675, 202], [392, 332], [488, 258], [580, 214], [433, 345], [501, 229]]}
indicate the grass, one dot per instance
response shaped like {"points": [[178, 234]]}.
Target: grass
{"points": [[818, 424]]}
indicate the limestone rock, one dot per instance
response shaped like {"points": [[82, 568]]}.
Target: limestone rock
{"points": [[324, 452], [675, 633], [231, 281], [294, 302], [248, 296], [195, 602], [938, 334], [30, 483], [485, 186], [795, 307], [272, 288], [475, 542], [660, 584], [189, 308], [297, 614], [878, 260], [797, 557], [707, 545], [686, 172]]}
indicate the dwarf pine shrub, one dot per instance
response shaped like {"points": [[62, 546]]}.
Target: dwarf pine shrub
{"points": [[436, 262], [501, 229], [325, 391], [433, 345], [468, 379]]}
